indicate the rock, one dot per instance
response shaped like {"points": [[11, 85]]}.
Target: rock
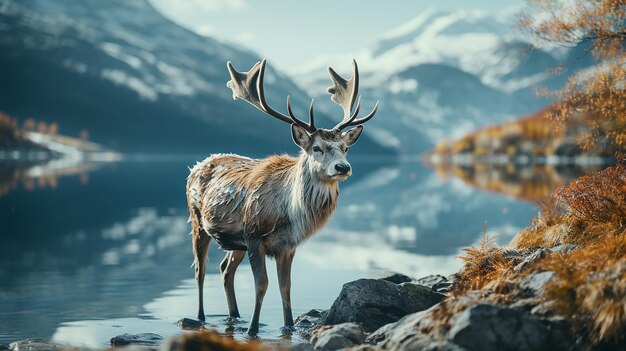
{"points": [[149, 339], [189, 324], [136, 348], [363, 347], [393, 277], [418, 297], [380, 334], [431, 280], [525, 305], [544, 310], [303, 346], [338, 337], [406, 334], [565, 248], [438, 283], [532, 258], [491, 327], [311, 318], [332, 342], [307, 322], [35, 344], [533, 284], [374, 303]]}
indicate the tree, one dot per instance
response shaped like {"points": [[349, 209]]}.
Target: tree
{"points": [[53, 129], [84, 134], [42, 127], [599, 94], [29, 125]]}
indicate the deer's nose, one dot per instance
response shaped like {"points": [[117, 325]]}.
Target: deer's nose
{"points": [[342, 168]]}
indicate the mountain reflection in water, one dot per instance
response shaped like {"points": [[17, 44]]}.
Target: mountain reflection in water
{"points": [[92, 260]]}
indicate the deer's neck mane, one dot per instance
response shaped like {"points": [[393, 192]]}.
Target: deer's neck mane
{"points": [[312, 200]]}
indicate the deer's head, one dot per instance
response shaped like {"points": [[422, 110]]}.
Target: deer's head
{"points": [[325, 149]]}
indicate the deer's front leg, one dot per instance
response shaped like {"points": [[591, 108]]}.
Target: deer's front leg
{"points": [[256, 255], [283, 267]]}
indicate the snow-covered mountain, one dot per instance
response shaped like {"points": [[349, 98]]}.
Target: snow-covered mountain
{"points": [[134, 79], [444, 74]]}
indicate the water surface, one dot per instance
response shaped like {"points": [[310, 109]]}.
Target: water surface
{"points": [[103, 251]]}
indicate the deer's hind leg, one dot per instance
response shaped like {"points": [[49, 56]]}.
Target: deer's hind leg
{"points": [[200, 246], [228, 267]]}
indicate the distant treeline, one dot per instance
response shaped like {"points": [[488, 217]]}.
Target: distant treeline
{"points": [[13, 135], [533, 135]]}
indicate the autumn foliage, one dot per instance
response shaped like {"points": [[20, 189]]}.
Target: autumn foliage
{"points": [[599, 93], [589, 289]]}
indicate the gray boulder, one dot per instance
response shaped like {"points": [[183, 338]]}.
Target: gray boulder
{"points": [[394, 277], [338, 337], [374, 303], [533, 284], [415, 332], [532, 258], [437, 283], [431, 280], [488, 327]]}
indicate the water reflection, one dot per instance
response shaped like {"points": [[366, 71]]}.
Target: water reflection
{"points": [[92, 261], [43, 174], [527, 182]]}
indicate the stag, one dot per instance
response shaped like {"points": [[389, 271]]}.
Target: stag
{"points": [[268, 206]]}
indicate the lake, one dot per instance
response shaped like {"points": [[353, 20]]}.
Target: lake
{"points": [[91, 251]]}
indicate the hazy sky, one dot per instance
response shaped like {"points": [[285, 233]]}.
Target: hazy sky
{"points": [[289, 33]]}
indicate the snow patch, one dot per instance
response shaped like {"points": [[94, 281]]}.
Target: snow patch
{"points": [[75, 66], [120, 78], [398, 86], [115, 51]]}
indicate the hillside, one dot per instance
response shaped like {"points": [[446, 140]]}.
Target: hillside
{"points": [[135, 80]]}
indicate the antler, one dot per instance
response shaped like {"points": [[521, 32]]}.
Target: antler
{"points": [[249, 87], [344, 93]]}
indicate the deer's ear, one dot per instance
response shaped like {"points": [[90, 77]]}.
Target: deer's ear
{"points": [[300, 136], [350, 137]]}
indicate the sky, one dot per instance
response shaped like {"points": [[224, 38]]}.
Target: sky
{"points": [[292, 33]]}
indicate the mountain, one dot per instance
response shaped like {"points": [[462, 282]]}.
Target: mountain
{"points": [[444, 74], [135, 80]]}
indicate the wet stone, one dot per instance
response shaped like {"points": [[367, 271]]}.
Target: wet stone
{"points": [[35, 344], [149, 339], [189, 324]]}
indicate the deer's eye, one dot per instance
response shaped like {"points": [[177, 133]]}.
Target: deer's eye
{"points": [[317, 149]]}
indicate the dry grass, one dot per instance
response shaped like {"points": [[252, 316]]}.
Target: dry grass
{"points": [[212, 341], [590, 289], [482, 264]]}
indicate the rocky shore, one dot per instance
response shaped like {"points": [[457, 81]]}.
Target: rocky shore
{"points": [[388, 312]]}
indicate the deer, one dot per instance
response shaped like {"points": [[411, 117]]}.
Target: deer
{"points": [[267, 207]]}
